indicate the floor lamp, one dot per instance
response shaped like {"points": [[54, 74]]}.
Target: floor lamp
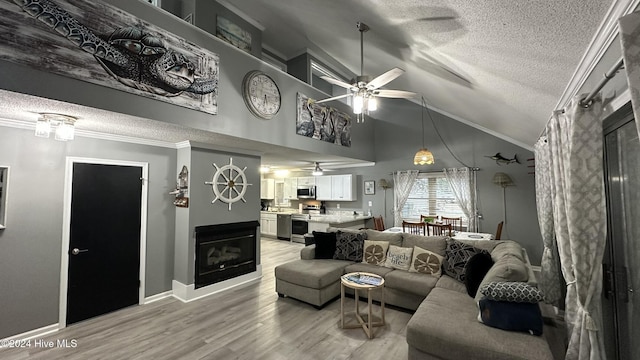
{"points": [[503, 180], [384, 184]]}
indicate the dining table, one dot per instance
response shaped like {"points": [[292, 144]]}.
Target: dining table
{"points": [[458, 235]]}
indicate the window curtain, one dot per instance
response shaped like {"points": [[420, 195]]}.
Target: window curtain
{"points": [[579, 219], [403, 182], [630, 39], [463, 186], [549, 274]]}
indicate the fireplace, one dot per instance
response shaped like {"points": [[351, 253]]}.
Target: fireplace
{"points": [[224, 251]]}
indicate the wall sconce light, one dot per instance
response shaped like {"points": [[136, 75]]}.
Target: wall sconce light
{"points": [[63, 125]]}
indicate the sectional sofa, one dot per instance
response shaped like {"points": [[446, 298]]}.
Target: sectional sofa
{"points": [[445, 323]]}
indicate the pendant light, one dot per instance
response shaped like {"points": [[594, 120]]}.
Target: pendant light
{"points": [[317, 171], [423, 156]]}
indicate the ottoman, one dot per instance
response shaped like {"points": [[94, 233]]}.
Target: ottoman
{"points": [[316, 282]]}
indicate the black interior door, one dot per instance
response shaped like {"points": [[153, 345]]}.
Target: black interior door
{"points": [[104, 240]]}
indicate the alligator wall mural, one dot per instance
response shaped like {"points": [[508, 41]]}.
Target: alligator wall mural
{"points": [[98, 43]]}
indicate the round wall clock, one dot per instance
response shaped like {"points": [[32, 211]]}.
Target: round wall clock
{"points": [[261, 94]]}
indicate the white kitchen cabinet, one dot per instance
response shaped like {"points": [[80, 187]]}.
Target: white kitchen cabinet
{"points": [[307, 180], [269, 224], [323, 188], [343, 188], [267, 189], [290, 188]]}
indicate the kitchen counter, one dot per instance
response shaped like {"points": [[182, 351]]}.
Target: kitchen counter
{"points": [[338, 219]]}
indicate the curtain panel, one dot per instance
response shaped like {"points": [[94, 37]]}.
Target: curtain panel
{"points": [[462, 183], [403, 182], [549, 275], [630, 39], [579, 220]]}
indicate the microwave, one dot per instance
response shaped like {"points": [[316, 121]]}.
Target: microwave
{"points": [[306, 192]]}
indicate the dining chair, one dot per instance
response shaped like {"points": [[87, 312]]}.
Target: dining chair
{"points": [[438, 229], [417, 228], [499, 230], [378, 223], [422, 217], [456, 222]]}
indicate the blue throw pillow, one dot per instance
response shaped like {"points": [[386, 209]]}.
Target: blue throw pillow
{"points": [[511, 316], [475, 270]]}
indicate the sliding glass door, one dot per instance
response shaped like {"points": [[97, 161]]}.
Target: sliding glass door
{"points": [[621, 263]]}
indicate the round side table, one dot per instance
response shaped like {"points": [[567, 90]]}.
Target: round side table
{"points": [[351, 280]]}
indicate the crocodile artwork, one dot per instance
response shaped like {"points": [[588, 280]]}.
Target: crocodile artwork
{"points": [[133, 56]]}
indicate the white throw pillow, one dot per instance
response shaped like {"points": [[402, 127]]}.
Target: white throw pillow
{"points": [[375, 252], [398, 257], [426, 262]]}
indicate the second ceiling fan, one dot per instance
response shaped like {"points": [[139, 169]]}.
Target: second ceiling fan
{"points": [[365, 90]]}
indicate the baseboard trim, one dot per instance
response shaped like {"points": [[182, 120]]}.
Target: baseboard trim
{"points": [[46, 330], [156, 297], [188, 293]]}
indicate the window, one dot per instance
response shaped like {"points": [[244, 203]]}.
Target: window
{"points": [[431, 195]]}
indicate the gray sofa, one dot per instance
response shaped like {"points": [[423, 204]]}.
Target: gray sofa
{"points": [[445, 324]]}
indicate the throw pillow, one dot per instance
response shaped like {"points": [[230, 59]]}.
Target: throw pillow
{"points": [[512, 291], [475, 270], [398, 257], [426, 262], [456, 256], [325, 244], [375, 252], [511, 316], [349, 246]]}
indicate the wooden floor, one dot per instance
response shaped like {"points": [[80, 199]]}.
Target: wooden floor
{"points": [[247, 323]]}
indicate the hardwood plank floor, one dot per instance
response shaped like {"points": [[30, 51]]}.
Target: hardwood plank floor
{"points": [[247, 323]]}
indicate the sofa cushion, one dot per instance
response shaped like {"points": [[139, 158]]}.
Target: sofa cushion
{"points": [[507, 247], [456, 256], [375, 252], [507, 268], [436, 244], [445, 326], [450, 283], [325, 244], [391, 238], [398, 257], [475, 270], [364, 267], [512, 291], [426, 262], [511, 316], [315, 274], [414, 283], [349, 245]]}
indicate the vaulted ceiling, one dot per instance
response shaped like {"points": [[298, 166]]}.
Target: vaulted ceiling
{"points": [[502, 65]]}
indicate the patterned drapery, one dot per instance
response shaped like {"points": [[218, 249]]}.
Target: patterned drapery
{"points": [[630, 39], [463, 186], [403, 182], [549, 275], [579, 218]]}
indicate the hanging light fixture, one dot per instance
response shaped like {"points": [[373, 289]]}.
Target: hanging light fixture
{"points": [[317, 171], [63, 125], [423, 156]]}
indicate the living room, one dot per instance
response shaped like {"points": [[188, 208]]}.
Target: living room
{"points": [[31, 242]]}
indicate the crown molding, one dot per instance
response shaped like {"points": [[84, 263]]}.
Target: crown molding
{"points": [[600, 43]]}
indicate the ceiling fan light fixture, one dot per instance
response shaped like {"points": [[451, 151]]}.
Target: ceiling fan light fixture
{"points": [[317, 171], [358, 104], [372, 104]]}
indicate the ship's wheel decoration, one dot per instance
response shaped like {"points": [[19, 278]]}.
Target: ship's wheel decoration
{"points": [[229, 183]]}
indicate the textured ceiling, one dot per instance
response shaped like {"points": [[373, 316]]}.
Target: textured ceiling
{"points": [[500, 64]]}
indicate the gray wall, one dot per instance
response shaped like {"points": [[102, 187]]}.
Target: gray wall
{"points": [[202, 212], [30, 246]]}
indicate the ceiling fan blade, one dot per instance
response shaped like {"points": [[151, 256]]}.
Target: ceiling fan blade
{"points": [[332, 98], [394, 94], [338, 82], [385, 78]]}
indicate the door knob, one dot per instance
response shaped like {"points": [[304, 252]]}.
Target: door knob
{"points": [[77, 251]]}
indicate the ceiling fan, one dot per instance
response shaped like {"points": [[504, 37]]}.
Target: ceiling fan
{"points": [[365, 90]]}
